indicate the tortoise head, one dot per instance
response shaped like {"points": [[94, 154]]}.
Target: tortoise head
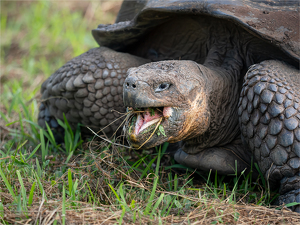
{"points": [[168, 101]]}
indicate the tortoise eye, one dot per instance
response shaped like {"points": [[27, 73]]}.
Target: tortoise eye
{"points": [[162, 87]]}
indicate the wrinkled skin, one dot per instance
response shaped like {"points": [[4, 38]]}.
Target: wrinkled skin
{"points": [[228, 96]]}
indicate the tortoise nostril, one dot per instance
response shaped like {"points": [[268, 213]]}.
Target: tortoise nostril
{"points": [[131, 82]]}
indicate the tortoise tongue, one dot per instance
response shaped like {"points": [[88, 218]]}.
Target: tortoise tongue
{"points": [[146, 119]]}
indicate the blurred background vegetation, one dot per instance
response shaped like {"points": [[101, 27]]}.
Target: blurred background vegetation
{"points": [[38, 37]]}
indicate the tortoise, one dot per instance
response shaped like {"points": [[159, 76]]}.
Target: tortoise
{"points": [[220, 77]]}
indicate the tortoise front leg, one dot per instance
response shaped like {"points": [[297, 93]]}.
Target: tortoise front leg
{"points": [[87, 89], [269, 111], [228, 159]]}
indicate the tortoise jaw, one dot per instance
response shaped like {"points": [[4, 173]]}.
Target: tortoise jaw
{"points": [[151, 116], [141, 125], [142, 129]]}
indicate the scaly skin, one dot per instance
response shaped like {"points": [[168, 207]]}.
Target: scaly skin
{"points": [[269, 111], [87, 89]]}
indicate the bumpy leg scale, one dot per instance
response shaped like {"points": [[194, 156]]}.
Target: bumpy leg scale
{"points": [[88, 90], [269, 111]]}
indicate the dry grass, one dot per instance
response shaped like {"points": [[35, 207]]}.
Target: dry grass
{"points": [[203, 211], [106, 169], [105, 214]]}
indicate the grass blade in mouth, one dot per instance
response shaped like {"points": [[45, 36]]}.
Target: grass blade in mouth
{"points": [[152, 133], [145, 118]]}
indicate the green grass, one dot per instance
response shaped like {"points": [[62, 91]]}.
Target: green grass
{"points": [[43, 182]]}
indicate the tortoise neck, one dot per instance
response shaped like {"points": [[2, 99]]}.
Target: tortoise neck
{"points": [[222, 88]]}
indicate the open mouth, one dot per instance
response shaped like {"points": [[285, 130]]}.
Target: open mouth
{"points": [[147, 117]]}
